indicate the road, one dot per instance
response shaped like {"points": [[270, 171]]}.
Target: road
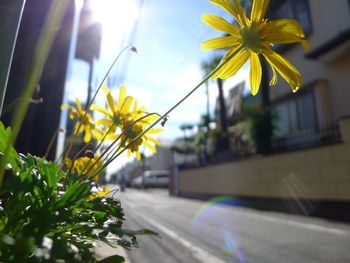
{"points": [[196, 231]]}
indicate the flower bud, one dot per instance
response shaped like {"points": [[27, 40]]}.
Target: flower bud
{"points": [[89, 154]]}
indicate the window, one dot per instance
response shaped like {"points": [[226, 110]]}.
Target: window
{"points": [[298, 114], [294, 9], [162, 175]]}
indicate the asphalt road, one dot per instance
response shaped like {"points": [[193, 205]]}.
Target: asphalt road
{"points": [[195, 231]]}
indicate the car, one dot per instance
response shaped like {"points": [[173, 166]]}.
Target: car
{"points": [[156, 178], [153, 178]]}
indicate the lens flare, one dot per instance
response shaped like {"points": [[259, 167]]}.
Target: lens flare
{"points": [[232, 248], [213, 213], [217, 201]]}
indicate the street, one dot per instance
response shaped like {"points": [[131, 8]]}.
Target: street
{"points": [[196, 231]]}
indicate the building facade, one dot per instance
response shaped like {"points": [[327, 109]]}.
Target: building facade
{"points": [[323, 98]]}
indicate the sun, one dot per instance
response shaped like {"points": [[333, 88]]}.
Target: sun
{"points": [[115, 15]]}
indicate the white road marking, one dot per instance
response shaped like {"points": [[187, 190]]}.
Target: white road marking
{"points": [[198, 253]]}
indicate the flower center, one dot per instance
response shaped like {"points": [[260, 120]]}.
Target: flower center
{"points": [[131, 134], [116, 120], [251, 39], [134, 131]]}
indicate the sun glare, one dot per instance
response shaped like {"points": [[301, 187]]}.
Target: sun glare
{"points": [[115, 15]]}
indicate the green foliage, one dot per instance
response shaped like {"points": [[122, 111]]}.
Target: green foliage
{"points": [[5, 139], [47, 214], [261, 127]]}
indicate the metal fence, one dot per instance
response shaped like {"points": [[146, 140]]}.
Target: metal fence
{"points": [[300, 140], [308, 139]]}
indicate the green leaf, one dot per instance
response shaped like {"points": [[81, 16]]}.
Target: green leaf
{"points": [[49, 171], [5, 140], [75, 192]]}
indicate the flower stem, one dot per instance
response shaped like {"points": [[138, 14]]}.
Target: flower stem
{"points": [[116, 140], [204, 80], [87, 107]]}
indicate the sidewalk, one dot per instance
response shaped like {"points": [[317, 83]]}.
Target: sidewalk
{"points": [[103, 251]]}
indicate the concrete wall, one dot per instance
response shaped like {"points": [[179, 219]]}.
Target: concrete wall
{"points": [[316, 174]]}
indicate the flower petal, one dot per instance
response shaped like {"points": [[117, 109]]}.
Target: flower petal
{"points": [[219, 42], [106, 89], [285, 31], [231, 51], [273, 80], [255, 73], [111, 136], [80, 126], [284, 68], [138, 155], [65, 106], [236, 11], [98, 135], [106, 122], [241, 17], [290, 26], [156, 142], [232, 66], [100, 109], [87, 136], [125, 108], [77, 102], [122, 95], [220, 24], [136, 105], [150, 146], [150, 118], [153, 131], [259, 10]]}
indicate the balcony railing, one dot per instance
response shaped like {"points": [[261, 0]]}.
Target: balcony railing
{"points": [[308, 139]]}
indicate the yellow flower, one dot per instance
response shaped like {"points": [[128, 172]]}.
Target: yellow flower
{"points": [[254, 37], [128, 117], [87, 125], [132, 129], [85, 166], [99, 192], [116, 112]]}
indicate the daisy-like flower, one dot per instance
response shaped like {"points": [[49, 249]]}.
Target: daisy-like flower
{"points": [[126, 115], [133, 129], [85, 166], [99, 192], [254, 38], [85, 121], [116, 111]]}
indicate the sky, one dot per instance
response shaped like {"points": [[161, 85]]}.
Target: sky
{"points": [[167, 65]]}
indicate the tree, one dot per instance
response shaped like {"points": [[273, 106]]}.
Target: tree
{"points": [[208, 67]]}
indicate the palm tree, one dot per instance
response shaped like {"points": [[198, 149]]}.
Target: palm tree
{"points": [[208, 67]]}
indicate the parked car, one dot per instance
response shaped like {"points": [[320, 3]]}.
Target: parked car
{"points": [[154, 178]]}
